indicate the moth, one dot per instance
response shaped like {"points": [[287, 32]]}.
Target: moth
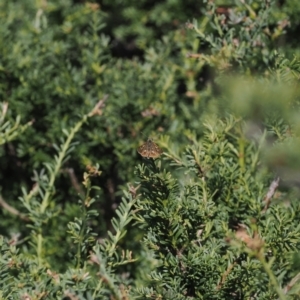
{"points": [[149, 149]]}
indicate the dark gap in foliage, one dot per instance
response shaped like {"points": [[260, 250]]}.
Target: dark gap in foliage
{"points": [[206, 75], [181, 87], [127, 49]]}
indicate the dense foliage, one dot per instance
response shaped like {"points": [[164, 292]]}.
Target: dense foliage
{"points": [[214, 84]]}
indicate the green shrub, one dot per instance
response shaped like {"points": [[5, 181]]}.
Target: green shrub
{"points": [[215, 217]]}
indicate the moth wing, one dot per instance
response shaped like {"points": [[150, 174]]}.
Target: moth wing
{"points": [[154, 151], [149, 149], [142, 150]]}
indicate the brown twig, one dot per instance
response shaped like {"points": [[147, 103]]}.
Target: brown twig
{"points": [[74, 181], [291, 283], [133, 190], [4, 111], [12, 210], [97, 110], [270, 193], [225, 275]]}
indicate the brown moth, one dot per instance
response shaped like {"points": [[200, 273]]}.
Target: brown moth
{"points": [[149, 149]]}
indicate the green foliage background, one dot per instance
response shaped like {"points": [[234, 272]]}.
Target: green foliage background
{"points": [[215, 83]]}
